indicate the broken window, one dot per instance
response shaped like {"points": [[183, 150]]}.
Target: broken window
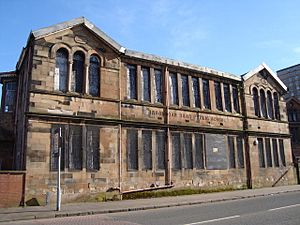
{"points": [[92, 148], [276, 106], [199, 162], [176, 153], [188, 151], [206, 93], [185, 90], [261, 154], [263, 103], [132, 149], [268, 152], [147, 149], [160, 150], [270, 105], [145, 72], [227, 97], [256, 102], [10, 95], [61, 70], [231, 149], [173, 89], [235, 95], [196, 92], [75, 147], [78, 72], [218, 96], [131, 82], [158, 86], [94, 76], [55, 143], [281, 151], [240, 151], [275, 152]]}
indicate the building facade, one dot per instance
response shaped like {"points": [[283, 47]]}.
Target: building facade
{"points": [[290, 76], [131, 120]]}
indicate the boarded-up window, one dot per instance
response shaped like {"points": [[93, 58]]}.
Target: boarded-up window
{"points": [[55, 146], [196, 92], [145, 73], [188, 151], [240, 151], [270, 105], [206, 93], [235, 94], [268, 152], [78, 71], [131, 82], [61, 70], [231, 149], [261, 155], [199, 162], [282, 154], [94, 76], [75, 147], [173, 89], [218, 96], [176, 152], [132, 149], [275, 152], [160, 150], [92, 148], [10, 95], [147, 149], [227, 97], [276, 106], [158, 86], [263, 103], [185, 90], [256, 102]]}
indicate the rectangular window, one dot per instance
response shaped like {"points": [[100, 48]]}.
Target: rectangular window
{"points": [[227, 97], [231, 149], [75, 147], [235, 94], [206, 94], [55, 143], [132, 149], [131, 81], [240, 151], [188, 151], [176, 153], [160, 150], [261, 154], [199, 162], [218, 96], [275, 152], [147, 149], [268, 152], [145, 72], [173, 89], [158, 86], [281, 150], [185, 90], [92, 148], [196, 92], [9, 98]]}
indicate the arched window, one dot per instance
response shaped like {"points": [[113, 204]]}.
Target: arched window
{"points": [[276, 106], [61, 70], [256, 102], [263, 107], [78, 70], [270, 105], [94, 76]]}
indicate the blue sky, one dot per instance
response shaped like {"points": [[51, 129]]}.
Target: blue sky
{"points": [[227, 35]]}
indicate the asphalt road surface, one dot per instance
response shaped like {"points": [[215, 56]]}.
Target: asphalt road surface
{"points": [[283, 209]]}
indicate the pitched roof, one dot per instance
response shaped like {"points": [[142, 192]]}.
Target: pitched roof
{"points": [[260, 68]]}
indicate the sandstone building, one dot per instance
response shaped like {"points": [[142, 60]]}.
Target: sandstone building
{"points": [[132, 120]]}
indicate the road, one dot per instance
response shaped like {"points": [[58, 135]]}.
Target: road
{"points": [[283, 209]]}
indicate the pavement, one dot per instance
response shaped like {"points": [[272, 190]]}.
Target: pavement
{"points": [[81, 209]]}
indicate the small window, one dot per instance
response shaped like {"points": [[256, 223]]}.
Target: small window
{"points": [[94, 76], [206, 94], [263, 103], [256, 102], [270, 105], [132, 149], [158, 86], [231, 149], [268, 152], [145, 72], [276, 106], [92, 148], [227, 97], [61, 70], [160, 150], [131, 82], [196, 92], [185, 90], [275, 152], [282, 154], [188, 151], [147, 149], [173, 89], [261, 154], [235, 96], [176, 153], [199, 149], [218, 96]]}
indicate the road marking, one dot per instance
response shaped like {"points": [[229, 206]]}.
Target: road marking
{"points": [[214, 220], [284, 207]]}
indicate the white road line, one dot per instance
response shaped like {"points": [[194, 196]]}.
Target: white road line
{"points": [[284, 207], [214, 220]]}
